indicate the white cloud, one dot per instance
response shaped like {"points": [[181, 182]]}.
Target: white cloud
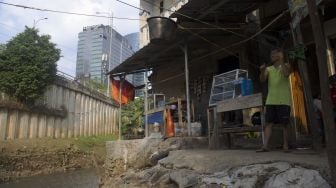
{"points": [[64, 28]]}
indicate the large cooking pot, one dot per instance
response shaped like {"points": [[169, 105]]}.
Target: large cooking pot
{"points": [[161, 29]]}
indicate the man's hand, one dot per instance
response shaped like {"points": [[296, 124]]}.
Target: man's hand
{"points": [[285, 69], [262, 67]]}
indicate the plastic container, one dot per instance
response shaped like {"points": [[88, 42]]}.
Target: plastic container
{"points": [[246, 87], [196, 129]]}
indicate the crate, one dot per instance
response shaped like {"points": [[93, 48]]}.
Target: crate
{"points": [[223, 85]]}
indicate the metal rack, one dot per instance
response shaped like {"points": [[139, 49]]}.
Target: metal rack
{"points": [[223, 85]]}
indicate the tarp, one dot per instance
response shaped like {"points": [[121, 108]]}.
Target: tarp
{"points": [[127, 93]]}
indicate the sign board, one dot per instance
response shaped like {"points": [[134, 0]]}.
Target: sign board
{"points": [[299, 10]]}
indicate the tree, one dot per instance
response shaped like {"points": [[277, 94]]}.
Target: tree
{"points": [[132, 116], [28, 65], [2, 47]]}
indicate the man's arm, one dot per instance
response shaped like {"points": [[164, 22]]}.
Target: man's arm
{"points": [[263, 73]]}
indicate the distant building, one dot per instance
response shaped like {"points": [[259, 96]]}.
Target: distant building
{"points": [[93, 59], [138, 78], [134, 40]]}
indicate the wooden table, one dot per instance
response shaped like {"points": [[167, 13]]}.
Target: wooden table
{"points": [[240, 103]]}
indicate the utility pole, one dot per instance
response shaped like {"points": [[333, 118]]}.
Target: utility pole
{"points": [[146, 103], [327, 108], [110, 53], [110, 23], [36, 21], [121, 82]]}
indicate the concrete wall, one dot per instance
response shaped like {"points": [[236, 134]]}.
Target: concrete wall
{"points": [[88, 113]]}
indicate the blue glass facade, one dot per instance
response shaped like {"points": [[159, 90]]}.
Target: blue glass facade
{"points": [[138, 78], [93, 43]]}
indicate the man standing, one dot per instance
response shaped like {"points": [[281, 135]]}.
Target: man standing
{"points": [[278, 99]]}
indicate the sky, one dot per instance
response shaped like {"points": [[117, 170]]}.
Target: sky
{"points": [[64, 28]]}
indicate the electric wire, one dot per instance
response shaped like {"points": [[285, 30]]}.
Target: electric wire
{"points": [[245, 40], [69, 13], [189, 17], [203, 22], [133, 6]]}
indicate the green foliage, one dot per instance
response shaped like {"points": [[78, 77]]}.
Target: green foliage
{"points": [[28, 65], [97, 85], [86, 143], [2, 47], [132, 116]]}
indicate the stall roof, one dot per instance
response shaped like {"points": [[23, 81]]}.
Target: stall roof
{"points": [[221, 10], [154, 55]]}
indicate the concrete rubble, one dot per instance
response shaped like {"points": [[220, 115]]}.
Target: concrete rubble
{"points": [[179, 163]]}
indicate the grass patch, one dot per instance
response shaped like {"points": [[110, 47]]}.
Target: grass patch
{"points": [[86, 143]]}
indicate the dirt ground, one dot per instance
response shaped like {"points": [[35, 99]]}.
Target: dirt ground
{"points": [[24, 158], [200, 167]]}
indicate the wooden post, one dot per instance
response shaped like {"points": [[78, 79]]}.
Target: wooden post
{"points": [[327, 108], [214, 140], [302, 65]]}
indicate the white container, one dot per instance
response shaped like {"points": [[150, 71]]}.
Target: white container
{"points": [[196, 129]]}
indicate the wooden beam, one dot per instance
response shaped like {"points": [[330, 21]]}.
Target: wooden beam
{"points": [[327, 108], [308, 96]]}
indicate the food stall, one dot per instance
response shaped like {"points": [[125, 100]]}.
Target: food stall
{"points": [[163, 114], [231, 91]]}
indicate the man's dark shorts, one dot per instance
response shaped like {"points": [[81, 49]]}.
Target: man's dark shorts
{"points": [[278, 114]]}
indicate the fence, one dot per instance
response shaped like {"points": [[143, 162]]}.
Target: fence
{"points": [[85, 113]]}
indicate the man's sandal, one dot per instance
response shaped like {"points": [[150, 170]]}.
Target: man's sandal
{"points": [[263, 149]]}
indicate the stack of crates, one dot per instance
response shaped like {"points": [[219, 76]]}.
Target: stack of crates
{"points": [[224, 85]]}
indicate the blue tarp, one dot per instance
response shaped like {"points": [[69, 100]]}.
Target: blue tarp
{"points": [[155, 117]]}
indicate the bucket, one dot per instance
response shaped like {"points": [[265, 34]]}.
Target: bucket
{"points": [[161, 29]]}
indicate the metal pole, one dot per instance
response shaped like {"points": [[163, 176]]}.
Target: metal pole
{"points": [[36, 21], [120, 93], [110, 51], [185, 50], [146, 104]]}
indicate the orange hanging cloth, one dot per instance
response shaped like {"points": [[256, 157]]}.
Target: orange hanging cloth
{"points": [[127, 92], [170, 129]]}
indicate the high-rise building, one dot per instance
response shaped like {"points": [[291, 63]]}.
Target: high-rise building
{"points": [[134, 40], [93, 54], [138, 78]]}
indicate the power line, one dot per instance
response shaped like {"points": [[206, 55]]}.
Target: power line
{"points": [[17, 29], [133, 6], [64, 12], [198, 20]]}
